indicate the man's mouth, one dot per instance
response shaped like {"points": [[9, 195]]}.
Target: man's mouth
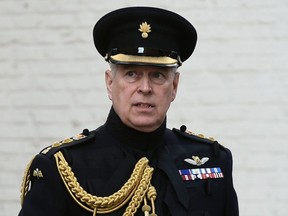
{"points": [[144, 105]]}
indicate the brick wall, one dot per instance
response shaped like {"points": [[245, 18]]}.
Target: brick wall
{"points": [[234, 87]]}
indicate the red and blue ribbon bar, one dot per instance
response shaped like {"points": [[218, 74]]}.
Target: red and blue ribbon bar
{"points": [[201, 173]]}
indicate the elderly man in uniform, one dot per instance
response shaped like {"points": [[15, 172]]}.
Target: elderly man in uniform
{"points": [[133, 164]]}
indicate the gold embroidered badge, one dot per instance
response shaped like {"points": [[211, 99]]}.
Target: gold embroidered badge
{"points": [[145, 29], [37, 173]]}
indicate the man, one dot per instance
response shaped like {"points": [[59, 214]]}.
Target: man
{"points": [[133, 164]]}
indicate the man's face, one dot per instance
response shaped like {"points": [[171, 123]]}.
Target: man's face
{"points": [[141, 95]]}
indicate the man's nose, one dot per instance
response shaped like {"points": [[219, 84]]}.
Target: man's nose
{"points": [[145, 85]]}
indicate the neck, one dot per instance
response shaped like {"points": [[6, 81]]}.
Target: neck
{"points": [[143, 141]]}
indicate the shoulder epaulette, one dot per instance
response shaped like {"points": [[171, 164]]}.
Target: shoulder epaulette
{"points": [[189, 134], [198, 137], [81, 138], [49, 151]]}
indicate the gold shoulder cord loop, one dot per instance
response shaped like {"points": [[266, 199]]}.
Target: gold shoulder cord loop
{"points": [[25, 182], [134, 189]]}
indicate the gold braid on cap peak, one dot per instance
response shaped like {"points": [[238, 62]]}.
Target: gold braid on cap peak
{"points": [[135, 189]]}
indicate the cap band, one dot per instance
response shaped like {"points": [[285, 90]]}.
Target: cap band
{"points": [[143, 55], [162, 61]]}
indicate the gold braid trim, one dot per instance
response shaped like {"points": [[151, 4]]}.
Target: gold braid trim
{"points": [[25, 182], [139, 193], [136, 187]]}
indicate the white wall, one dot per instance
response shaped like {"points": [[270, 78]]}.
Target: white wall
{"points": [[234, 87]]}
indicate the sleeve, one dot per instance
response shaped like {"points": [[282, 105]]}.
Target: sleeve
{"points": [[232, 208], [46, 191]]}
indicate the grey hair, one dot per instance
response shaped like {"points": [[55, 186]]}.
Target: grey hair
{"points": [[113, 68]]}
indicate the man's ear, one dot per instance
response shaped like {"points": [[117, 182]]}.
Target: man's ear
{"points": [[175, 85], [109, 82]]}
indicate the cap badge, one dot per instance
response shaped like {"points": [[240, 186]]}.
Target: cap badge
{"points": [[196, 160], [145, 29]]}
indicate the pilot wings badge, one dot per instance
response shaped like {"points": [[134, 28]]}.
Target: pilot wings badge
{"points": [[196, 160]]}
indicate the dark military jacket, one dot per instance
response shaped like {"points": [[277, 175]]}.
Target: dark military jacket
{"points": [[103, 160]]}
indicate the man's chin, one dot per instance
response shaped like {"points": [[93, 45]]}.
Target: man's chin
{"points": [[144, 125]]}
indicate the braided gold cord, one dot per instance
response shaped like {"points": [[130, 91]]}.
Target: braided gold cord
{"points": [[139, 193], [25, 182], [136, 186], [152, 194]]}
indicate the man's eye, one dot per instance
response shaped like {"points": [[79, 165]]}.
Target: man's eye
{"points": [[131, 74], [156, 75]]}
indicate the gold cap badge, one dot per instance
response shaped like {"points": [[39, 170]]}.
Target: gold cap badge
{"points": [[145, 29]]}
